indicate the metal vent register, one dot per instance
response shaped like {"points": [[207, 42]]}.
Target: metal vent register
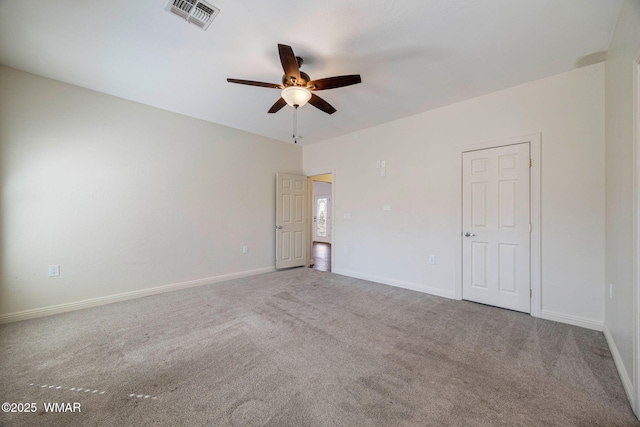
{"points": [[193, 11]]}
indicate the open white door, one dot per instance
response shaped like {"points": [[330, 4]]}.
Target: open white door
{"points": [[496, 225], [291, 229]]}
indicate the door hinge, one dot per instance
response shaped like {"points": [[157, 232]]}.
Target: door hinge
{"points": [[530, 162], [529, 227], [530, 293]]}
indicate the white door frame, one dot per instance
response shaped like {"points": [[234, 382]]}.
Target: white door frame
{"points": [[534, 194], [636, 237], [311, 174]]}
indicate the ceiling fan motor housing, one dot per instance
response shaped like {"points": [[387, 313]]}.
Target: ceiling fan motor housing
{"points": [[292, 81]]}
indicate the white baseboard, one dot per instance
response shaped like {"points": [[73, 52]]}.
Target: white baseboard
{"points": [[624, 376], [571, 320], [397, 283], [94, 302]]}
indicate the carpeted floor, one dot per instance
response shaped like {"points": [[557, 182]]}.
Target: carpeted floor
{"points": [[306, 348]]}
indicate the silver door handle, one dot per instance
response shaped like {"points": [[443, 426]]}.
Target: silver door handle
{"points": [[278, 227], [467, 234]]}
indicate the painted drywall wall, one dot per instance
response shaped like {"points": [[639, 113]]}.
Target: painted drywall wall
{"points": [[327, 177], [125, 197], [624, 53], [421, 189], [321, 188]]}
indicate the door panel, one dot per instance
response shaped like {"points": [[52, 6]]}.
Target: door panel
{"points": [[496, 217], [507, 265], [507, 203], [479, 265], [291, 193], [479, 204]]}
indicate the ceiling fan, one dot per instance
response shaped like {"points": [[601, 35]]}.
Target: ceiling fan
{"points": [[297, 86]]}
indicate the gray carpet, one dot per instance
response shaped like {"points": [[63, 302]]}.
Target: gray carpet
{"points": [[306, 348]]}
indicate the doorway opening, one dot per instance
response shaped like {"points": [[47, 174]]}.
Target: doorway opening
{"points": [[321, 225]]}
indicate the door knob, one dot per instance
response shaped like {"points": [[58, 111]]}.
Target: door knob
{"points": [[467, 234], [278, 227]]}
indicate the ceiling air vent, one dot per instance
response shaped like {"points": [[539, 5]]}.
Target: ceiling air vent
{"points": [[194, 11]]}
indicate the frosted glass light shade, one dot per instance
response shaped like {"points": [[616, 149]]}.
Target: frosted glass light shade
{"points": [[296, 96]]}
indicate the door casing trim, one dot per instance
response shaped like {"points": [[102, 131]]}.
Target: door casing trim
{"points": [[635, 401]]}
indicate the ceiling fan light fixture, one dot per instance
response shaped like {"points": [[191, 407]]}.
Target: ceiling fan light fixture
{"points": [[296, 96]]}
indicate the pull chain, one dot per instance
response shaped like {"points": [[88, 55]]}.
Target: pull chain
{"points": [[295, 124]]}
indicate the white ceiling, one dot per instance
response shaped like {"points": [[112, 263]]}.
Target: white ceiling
{"points": [[413, 55]]}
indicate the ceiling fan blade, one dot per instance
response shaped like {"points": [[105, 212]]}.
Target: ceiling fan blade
{"points": [[334, 82], [278, 105], [321, 104], [289, 62], [254, 83]]}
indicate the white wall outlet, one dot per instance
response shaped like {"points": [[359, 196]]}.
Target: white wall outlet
{"points": [[610, 290], [383, 164], [377, 164], [245, 249], [383, 172], [345, 249], [386, 208], [54, 270], [432, 259]]}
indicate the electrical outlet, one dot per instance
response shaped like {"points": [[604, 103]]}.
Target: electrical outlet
{"points": [[245, 249], [345, 249], [383, 164], [386, 208], [383, 172], [432, 259], [54, 270]]}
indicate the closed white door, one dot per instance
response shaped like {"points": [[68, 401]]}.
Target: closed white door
{"points": [[291, 202], [496, 227]]}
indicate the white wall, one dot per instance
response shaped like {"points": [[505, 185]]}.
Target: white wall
{"points": [[422, 188], [125, 197], [623, 53], [321, 188]]}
